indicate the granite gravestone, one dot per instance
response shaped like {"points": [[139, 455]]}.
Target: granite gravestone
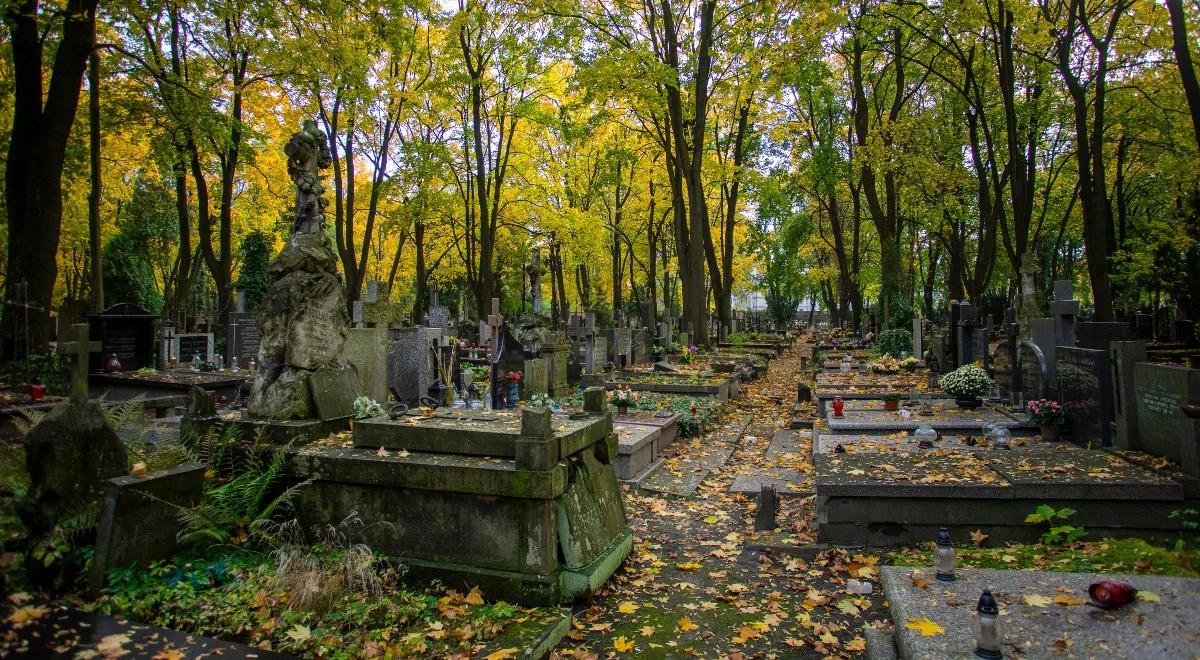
{"points": [[244, 338], [1041, 334], [1085, 390], [1165, 395], [127, 331], [192, 344], [1123, 355], [410, 361], [1034, 371], [367, 350]]}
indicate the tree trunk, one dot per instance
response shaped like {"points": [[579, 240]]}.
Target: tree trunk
{"points": [[1183, 58], [97, 265], [36, 155]]}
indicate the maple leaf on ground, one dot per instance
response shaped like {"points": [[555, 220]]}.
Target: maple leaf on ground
{"points": [[169, 653], [920, 582], [978, 537], [23, 615], [112, 646], [627, 607], [503, 654], [622, 645], [1149, 597], [688, 566], [926, 627], [1037, 600], [648, 631], [685, 624], [475, 597], [1067, 601]]}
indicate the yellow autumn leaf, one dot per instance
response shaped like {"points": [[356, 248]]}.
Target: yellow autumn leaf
{"points": [[627, 607], [23, 615], [648, 631], [685, 624], [622, 645], [169, 654], [926, 627], [856, 644], [1069, 600], [712, 520], [1038, 600], [475, 597], [1149, 597], [688, 566], [503, 654]]}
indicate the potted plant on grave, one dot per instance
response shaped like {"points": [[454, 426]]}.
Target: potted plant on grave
{"points": [[657, 352], [622, 398], [687, 354], [891, 401], [1048, 414], [968, 384], [514, 395]]}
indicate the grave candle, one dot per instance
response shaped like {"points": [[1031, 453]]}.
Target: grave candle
{"points": [[987, 627], [838, 406], [943, 556]]}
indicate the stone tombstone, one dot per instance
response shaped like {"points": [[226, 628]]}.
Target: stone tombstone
{"points": [[192, 344], [243, 339], [595, 355], [967, 331], [664, 335], [646, 309], [438, 317], [536, 379], [642, 342], [1063, 309], [1122, 357], [69, 454], [367, 351], [512, 353], [1041, 333], [1099, 334], [1085, 390], [334, 391], [554, 348], [918, 349], [127, 331], [1143, 326], [410, 363], [168, 346], [1184, 332], [951, 362], [1004, 367], [1034, 371], [1164, 395]]}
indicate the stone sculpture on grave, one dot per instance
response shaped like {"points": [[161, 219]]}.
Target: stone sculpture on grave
{"points": [[302, 319]]}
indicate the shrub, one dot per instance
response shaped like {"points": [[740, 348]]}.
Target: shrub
{"points": [[894, 342]]}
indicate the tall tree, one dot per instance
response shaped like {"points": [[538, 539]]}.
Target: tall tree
{"points": [[43, 113]]}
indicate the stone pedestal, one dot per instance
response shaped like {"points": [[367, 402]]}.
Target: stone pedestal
{"points": [[303, 324]]}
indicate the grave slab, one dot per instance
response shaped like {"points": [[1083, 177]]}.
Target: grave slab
{"points": [[1082, 474], [948, 475], [1145, 630]]}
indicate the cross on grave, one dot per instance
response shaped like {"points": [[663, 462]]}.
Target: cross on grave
{"points": [[1063, 310], [81, 348], [495, 326]]}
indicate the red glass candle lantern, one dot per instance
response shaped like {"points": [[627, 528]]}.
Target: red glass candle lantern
{"points": [[838, 406], [37, 389], [1111, 594]]}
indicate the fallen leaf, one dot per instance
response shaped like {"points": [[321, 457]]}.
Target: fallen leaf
{"points": [[23, 615], [1149, 597], [300, 633], [648, 631], [926, 627], [712, 520], [856, 644], [688, 566], [622, 645], [627, 607], [503, 654], [169, 654], [920, 582], [475, 597], [978, 537], [138, 469], [1069, 600], [1038, 600], [685, 624]]}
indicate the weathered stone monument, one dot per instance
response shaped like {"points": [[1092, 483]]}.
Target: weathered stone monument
{"points": [[302, 320], [70, 452]]}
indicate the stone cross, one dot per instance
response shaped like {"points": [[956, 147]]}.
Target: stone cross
{"points": [[535, 280], [495, 321], [1063, 309], [81, 348]]}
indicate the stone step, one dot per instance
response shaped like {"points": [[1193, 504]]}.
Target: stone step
{"points": [[635, 482], [636, 448]]}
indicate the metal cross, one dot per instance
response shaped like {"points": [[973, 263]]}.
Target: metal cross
{"points": [[81, 348]]}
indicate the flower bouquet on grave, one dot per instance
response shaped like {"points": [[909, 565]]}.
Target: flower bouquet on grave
{"points": [[622, 398], [1048, 414], [886, 364], [967, 384], [891, 401], [687, 354], [910, 363]]}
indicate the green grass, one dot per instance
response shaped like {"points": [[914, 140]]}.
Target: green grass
{"points": [[14, 479], [1105, 556]]}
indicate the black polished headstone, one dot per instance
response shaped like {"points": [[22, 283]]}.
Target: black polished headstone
{"points": [[127, 331]]}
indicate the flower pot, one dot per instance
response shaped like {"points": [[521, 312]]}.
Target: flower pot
{"points": [[1050, 432], [891, 405], [968, 404], [622, 410]]}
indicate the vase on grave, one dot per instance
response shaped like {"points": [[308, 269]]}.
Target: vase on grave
{"points": [[968, 404], [113, 365], [514, 396], [1050, 432]]}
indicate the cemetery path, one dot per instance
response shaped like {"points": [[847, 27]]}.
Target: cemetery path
{"points": [[700, 582]]}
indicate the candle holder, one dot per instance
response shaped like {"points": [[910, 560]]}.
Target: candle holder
{"points": [[839, 406], [943, 557], [987, 628]]}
